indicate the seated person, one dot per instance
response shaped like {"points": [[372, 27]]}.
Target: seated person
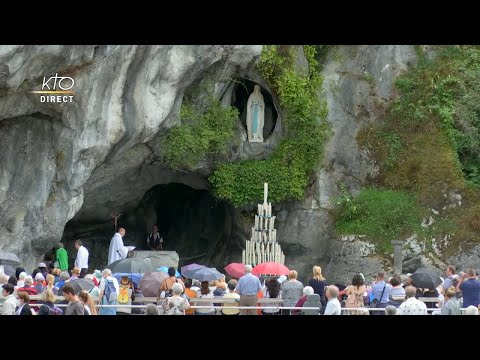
{"points": [[396, 292]]}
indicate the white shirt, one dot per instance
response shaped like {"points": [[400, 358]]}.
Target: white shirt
{"points": [[117, 250], [9, 305], [412, 306], [333, 307], [81, 261]]}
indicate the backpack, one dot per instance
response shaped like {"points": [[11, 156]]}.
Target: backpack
{"points": [[351, 302], [55, 311], [47, 310], [169, 292], [110, 291], [123, 297]]}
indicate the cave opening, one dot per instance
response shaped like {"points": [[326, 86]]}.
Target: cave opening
{"points": [[243, 89], [192, 222]]}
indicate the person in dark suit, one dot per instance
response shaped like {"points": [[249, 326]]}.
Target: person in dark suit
{"points": [[24, 308], [154, 240]]}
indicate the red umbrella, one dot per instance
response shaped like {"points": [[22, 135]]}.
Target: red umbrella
{"points": [[237, 270], [270, 268]]}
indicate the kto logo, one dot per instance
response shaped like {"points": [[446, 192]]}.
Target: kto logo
{"points": [[58, 87]]}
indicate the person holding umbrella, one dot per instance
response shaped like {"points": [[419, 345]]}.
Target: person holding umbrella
{"points": [[205, 293]]}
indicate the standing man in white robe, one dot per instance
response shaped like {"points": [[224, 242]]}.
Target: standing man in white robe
{"points": [[81, 261], [117, 250]]}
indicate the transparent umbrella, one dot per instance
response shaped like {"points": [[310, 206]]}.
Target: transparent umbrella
{"points": [[9, 258]]}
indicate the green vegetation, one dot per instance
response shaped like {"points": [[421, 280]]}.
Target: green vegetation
{"points": [[429, 143], [445, 93], [201, 134], [382, 215], [322, 52], [369, 78], [288, 169]]}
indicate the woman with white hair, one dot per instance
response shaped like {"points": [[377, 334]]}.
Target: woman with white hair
{"points": [[108, 287], [175, 304], [21, 279], [471, 310], [307, 290]]}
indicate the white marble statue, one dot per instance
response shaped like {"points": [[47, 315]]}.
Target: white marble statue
{"points": [[255, 115]]}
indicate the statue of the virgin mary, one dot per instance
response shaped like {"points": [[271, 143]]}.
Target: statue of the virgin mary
{"points": [[255, 115]]}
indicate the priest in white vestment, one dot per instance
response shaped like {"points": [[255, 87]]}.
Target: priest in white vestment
{"points": [[117, 250]]}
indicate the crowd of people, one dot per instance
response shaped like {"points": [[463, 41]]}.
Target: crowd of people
{"points": [[112, 296]]}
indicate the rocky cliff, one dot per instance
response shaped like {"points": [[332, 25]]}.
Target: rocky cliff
{"points": [[100, 154], [56, 155]]}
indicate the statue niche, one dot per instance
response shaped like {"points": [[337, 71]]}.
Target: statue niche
{"points": [[255, 115]]}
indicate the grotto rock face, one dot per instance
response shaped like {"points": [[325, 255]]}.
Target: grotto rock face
{"points": [[358, 82], [56, 155], [79, 162]]}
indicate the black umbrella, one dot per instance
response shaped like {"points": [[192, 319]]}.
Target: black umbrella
{"points": [[9, 258], [425, 278], [82, 284], [130, 265]]}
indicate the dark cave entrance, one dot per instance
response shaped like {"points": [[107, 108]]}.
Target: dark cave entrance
{"points": [[192, 222], [242, 91]]}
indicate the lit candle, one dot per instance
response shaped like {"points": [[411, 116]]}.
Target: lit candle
{"points": [[265, 192]]}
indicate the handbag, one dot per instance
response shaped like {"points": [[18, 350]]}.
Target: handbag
{"points": [[374, 303]]}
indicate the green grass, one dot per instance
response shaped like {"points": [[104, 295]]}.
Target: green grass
{"points": [[381, 215]]}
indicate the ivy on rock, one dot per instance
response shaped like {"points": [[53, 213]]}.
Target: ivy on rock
{"points": [[304, 112]]}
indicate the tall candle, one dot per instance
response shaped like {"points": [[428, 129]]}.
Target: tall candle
{"points": [[265, 192]]}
